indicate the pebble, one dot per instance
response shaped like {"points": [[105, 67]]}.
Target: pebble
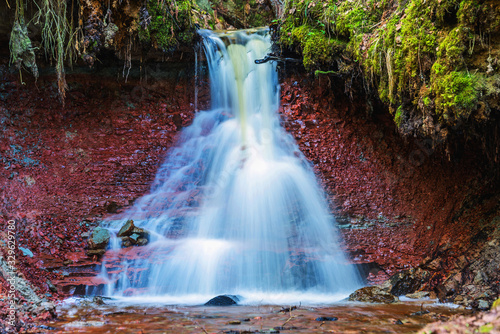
{"points": [[327, 319]]}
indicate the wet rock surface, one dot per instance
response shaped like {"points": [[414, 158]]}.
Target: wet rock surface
{"points": [[99, 238], [483, 322], [223, 300], [350, 318], [399, 205], [373, 294], [126, 229], [64, 168], [132, 235]]}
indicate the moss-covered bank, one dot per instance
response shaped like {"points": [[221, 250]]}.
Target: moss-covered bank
{"points": [[84, 32], [433, 62]]}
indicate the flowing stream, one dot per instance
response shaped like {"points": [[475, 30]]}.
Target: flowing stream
{"points": [[235, 208]]}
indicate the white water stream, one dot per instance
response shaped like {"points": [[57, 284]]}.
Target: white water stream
{"points": [[235, 208]]}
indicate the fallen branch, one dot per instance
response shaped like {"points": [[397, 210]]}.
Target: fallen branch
{"points": [[271, 57]]}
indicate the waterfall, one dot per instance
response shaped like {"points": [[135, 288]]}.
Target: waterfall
{"points": [[235, 208]]}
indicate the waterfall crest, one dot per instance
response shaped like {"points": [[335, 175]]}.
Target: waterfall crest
{"points": [[235, 208]]}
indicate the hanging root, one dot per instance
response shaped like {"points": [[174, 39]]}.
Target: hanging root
{"points": [[55, 31]]}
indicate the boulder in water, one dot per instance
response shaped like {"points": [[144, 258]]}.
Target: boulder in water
{"points": [[95, 252], [373, 294], [132, 235], [223, 300], [126, 229], [126, 242], [142, 233], [99, 239], [142, 242]]}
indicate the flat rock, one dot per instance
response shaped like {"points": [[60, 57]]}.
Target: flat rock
{"points": [[97, 252], [126, 229], [373, 294], [26, 251], [99, 239], [327, 319], [142, 242], [223, 300], [418, 295]]}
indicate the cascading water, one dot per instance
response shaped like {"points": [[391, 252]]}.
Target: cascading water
{"points": [[235, 208]]}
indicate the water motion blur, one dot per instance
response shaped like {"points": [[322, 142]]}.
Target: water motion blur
{"points": [[235, 208]]}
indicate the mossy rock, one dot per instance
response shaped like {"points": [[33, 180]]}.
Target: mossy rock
{"points": [[373, 294], [429, 60], [99, 239], [165, 24]]}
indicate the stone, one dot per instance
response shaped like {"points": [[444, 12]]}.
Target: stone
{"points": [[95, 252], [373, 294], [418, 295], [327, 319], [142, 242], [126, 229], [98, 300], [126, 242], [132, 235], [99, 239], [478, 279], [483, 304], [51, 286], [223, 300], [418, 313], [434, 265], [408, 281], [26, 251], [43, 307], [141, 232], [446, 290]]}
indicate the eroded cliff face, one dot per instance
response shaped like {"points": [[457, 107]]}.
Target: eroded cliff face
{"points": [[87, 32], [64, 168], [399, 204], [433, 63], [404, 204]]}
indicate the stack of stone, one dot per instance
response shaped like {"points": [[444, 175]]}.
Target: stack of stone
{"points": [[132, 235]]}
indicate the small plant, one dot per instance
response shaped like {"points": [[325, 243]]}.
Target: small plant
{"points": [[21, 49]]}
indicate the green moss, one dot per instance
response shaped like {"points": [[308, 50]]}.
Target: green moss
{"points": [[171, 24], [398, 117], [322, 30], [486, 328], [21, 50], [317, 49], [416, 53], [456, 93], [467, 13]]}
